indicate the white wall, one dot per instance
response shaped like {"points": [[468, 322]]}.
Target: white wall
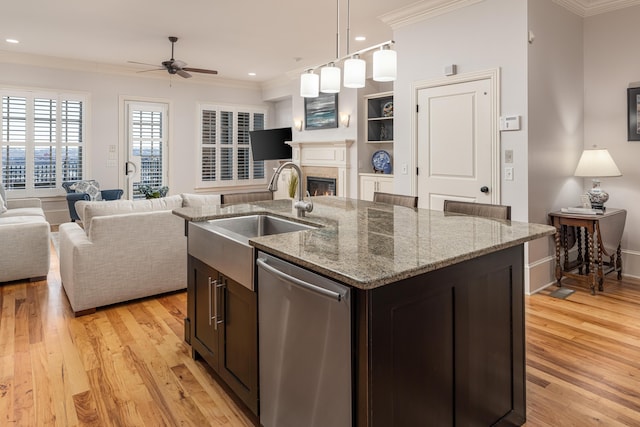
{"points": [[487, 35], [555, 71], [611, 63]]}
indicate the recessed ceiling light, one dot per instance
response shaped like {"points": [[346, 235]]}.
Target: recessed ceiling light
{"points": [[14, 41], [252, 74], [360, 38]]}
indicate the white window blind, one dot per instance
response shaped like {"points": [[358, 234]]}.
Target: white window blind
{"points": [[225, 150], [147, 141], [42, 141]]}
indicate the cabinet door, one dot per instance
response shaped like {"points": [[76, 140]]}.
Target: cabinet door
{"points": [[385, 185], [368, 186], [238, 346], [205, 333]]}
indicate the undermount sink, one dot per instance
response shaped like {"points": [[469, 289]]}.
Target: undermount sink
{"points": [[224, 243], [243, 228]]}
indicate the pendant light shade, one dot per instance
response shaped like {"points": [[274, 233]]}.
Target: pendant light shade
{"points": [[309, 84], [354, 72], [384, 65], [330, 79]]}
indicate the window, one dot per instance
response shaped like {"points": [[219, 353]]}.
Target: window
{"points": [[225, 152], [42, 141]]}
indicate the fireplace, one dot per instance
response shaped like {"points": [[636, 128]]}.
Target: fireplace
{"points": [[318, 186]]}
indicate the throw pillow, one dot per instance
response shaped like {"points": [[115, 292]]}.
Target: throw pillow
{"points": [[91, 187], [3, 208]]}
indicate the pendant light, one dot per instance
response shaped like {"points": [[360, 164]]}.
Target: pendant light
{"points": [[309, 84], [330, 78], [355, 70], [384, 64]]}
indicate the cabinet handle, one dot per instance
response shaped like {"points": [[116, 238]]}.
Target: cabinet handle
{"points": [[221, 286], [212, 283]]}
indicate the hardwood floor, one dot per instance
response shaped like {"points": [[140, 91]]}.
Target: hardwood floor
{"points": [[128, 364]]}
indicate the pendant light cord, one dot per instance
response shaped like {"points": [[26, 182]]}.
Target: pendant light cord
{"points": [[337, 29]]}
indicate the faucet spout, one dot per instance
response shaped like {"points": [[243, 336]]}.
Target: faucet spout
{"points": [[301, 205]]}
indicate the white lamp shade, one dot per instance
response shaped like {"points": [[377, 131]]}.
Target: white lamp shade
{"points": [[330, 79], [309, 85], [355, 70], [597, 163], [384, 65]]}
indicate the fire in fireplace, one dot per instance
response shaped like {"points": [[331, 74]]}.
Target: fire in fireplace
{"points": [[317, 186]]}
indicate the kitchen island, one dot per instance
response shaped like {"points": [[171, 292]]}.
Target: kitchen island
{"points": [[437, 303]]}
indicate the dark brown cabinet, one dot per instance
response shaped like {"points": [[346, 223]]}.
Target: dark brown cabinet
{"points": [[445, 348], [222, 328]]}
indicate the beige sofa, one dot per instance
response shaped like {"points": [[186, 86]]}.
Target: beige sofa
{"points": [[24, 240], [126, 250]]}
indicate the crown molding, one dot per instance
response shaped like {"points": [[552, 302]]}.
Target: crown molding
{"points": [[422, 10], [44, 61], [585, 8]]}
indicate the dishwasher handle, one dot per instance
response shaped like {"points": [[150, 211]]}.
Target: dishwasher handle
{"points": [[309, 286]]}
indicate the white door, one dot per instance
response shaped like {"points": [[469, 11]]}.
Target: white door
{"points": [[146, 157], [458, 155]]}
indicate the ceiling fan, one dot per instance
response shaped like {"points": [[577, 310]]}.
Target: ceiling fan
{"points": [[175, 66]]}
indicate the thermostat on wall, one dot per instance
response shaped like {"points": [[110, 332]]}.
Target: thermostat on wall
{"points": [[510, 123]]}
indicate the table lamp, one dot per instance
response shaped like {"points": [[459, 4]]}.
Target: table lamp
{"points": [[597, 163]]}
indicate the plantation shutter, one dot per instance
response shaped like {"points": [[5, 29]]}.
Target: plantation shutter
{"points": [[225, 149], [42, 141]]}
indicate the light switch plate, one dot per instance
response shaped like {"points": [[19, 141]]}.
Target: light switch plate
{"points": [[508, 174]]}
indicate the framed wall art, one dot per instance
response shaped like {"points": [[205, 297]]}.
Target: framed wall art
{"points": [[633, 114], [321, 112]]}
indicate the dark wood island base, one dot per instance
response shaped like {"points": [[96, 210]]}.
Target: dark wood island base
{"points": [[445, 348]]}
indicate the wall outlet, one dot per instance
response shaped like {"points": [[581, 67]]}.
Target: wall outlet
{"points": [[508, 174]]}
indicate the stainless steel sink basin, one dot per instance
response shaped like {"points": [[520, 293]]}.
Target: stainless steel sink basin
{"points": [[224, 243], [243, 228]]}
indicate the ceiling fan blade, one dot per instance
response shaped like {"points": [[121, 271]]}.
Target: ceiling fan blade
{"points": [[143, 63], [183, 73], [200, 70], [153, 69]]}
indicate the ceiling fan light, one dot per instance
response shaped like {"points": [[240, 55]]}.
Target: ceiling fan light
{"points": [[384, 65], [330, 79], [309, 84], [355, 70]]}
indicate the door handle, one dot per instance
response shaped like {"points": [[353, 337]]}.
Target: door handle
{"points": [[219, 288], [212, 283], [128, 171], [484, 189]]}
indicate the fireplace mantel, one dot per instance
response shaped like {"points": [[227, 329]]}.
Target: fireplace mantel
{"points": [[325, 154]]}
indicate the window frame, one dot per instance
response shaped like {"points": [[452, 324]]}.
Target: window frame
{"points": [[236, 110], [30, 142]]}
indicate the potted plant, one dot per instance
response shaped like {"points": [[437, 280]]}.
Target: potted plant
{"points": [[153, 193]]}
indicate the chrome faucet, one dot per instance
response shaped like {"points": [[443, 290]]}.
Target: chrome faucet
{"points": [[300, 204]]}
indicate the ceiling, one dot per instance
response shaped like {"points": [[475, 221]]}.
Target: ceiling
{"points": [[266, 37]]}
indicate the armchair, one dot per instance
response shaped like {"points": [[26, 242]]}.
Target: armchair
{"points": [[73, 197]]}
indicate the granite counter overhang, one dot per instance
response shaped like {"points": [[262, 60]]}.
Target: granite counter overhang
{"points": [[367, 245]]}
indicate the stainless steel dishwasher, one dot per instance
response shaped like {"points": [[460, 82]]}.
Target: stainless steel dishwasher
{"points": [[305, 347]]}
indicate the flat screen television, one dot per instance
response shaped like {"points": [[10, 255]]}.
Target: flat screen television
{"points": [[269, 144]]}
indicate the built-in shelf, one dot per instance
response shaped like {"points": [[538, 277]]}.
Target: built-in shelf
{"points": [[380, 118]]}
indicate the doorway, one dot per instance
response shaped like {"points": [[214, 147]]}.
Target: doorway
{"points": [[146, 154], [458, 142]]}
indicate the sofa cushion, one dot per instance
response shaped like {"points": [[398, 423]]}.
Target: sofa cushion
{"points": [[3, 207], [89, 210], [23, 212], [91, 187], [16, 219], [197, 200]]}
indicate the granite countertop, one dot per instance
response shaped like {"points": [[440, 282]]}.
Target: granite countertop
{"points": [[366, 244]]}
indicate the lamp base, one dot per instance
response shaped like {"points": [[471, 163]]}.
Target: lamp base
{"points": [[597, 195]]}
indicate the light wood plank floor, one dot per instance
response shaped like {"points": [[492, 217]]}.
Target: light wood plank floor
{"points": [[128, 364]]}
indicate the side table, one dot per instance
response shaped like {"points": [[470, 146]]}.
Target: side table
{"points": [[602, 237]]}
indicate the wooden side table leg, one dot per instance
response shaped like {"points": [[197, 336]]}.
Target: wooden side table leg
{"points": [[586, 240], [579, 243], [565, 243], [600, 270], [619, 262], [558, 267], [592, 267]]}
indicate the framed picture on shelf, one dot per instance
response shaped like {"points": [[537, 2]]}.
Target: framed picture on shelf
{"points": [[633, 111], [321, 112]]}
